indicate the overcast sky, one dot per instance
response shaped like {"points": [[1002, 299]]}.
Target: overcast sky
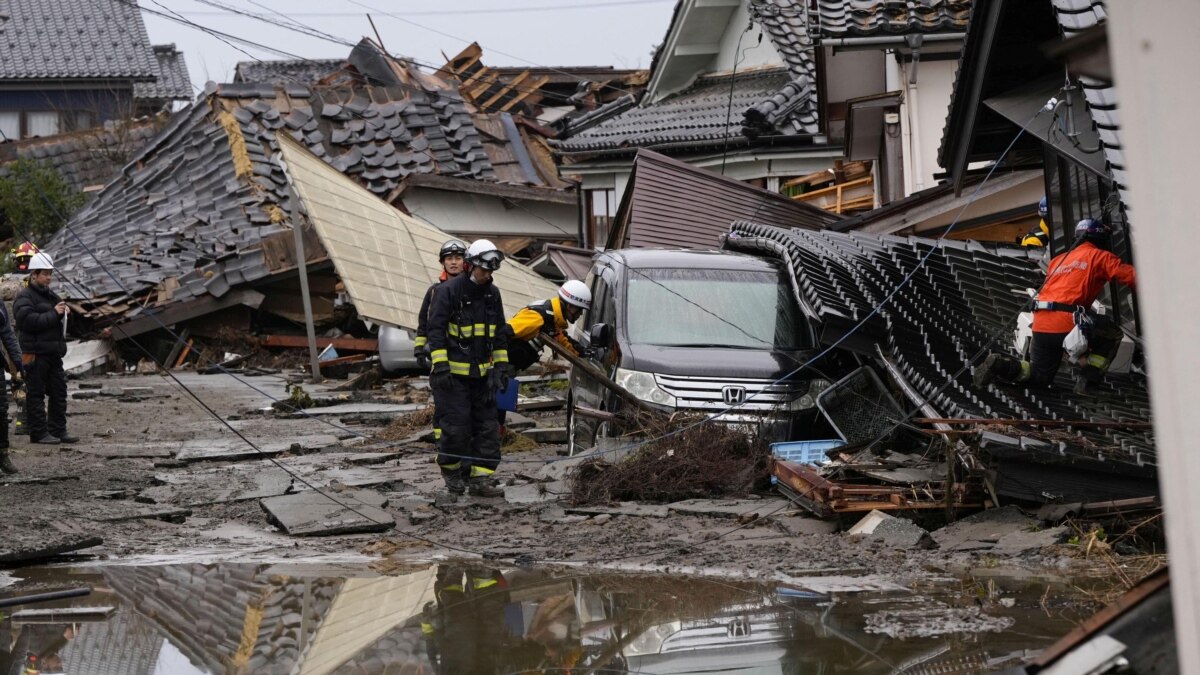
{"points": [[512, 32]]}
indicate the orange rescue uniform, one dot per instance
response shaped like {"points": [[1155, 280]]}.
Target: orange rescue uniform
{"points": [[1077, 277]]}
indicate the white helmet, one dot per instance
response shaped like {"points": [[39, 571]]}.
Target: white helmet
{"points": [[575, 292], [40, 261], [483, 253]]}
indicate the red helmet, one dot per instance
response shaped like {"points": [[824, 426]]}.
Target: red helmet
{"points": [[23, 253]]}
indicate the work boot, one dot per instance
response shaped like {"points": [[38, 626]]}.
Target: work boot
{"points": [[483, 486], [47, 440], [67, 438], [455, 484], [997, 366], [6, 464]]}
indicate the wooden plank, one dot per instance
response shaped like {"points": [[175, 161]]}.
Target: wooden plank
{"points": [[299, 341], [187, 310], [532, 95]]}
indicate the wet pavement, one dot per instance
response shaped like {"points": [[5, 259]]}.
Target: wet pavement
{"points": [[468, 617]]}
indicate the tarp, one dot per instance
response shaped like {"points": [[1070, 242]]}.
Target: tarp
{"points": [[385, 258]]}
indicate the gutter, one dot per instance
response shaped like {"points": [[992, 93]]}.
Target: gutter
{"points": [[889, 40]]}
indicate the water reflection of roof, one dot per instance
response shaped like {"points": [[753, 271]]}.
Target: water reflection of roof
{"points": [[126, 644]]}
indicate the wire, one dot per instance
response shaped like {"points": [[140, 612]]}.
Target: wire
{"points": [[739, 55], [475, 12]]}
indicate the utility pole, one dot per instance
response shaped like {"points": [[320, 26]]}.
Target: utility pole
{"points": [[1150, 44], [302, 268]]}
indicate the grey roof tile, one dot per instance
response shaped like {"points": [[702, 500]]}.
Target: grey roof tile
{"points": [[292, 71], [173, 83], [66, 39], [864, 18], [703, 114], [84, 158]]}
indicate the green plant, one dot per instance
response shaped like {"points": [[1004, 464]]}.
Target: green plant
{"points": [[36, 201]]}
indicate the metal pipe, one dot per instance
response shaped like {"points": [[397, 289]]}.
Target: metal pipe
{"points": [[889, 40], [45, 597]]}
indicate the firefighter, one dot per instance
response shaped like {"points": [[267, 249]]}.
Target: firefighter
{"points": [[41, 318], [1039, 236], [1074, 280], [468, 345], [549, 318], [451, 258], [21, 255]]}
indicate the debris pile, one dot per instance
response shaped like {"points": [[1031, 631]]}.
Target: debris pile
{"points": [[688, 460]]}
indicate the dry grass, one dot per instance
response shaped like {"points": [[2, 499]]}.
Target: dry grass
{"points": [[404, 426], [696, 461]]}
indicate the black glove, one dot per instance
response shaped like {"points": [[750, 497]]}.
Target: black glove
{"points": [[500, 376], [439, 379], [423, 360]]}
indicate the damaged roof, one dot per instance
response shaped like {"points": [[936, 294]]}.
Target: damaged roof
{"points": [[173, 83], [74, 39], [961, 303], [867, 18], [286, 71], [86, 158], [703, 115], [785, 23]]}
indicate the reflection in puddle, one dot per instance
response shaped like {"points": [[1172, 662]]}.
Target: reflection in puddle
{"points": [[470, 618]]}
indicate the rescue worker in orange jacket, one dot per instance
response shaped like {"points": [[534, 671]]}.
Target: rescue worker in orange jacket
{"points": [[1073, 282]]}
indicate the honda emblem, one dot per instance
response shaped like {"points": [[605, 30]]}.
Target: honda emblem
{"points": [[733, 395]]}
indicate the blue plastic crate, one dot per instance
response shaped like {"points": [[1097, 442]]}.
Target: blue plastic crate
{"points": [[507, 399], [805, 452]]}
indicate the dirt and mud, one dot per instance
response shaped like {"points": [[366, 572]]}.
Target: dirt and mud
{"points": [[126, 485]]}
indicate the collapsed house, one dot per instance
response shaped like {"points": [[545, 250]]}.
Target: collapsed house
{"points": [[956, 301], [200, 222]]}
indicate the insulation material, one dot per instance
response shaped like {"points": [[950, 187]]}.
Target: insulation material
{"points": [[386, 259]]}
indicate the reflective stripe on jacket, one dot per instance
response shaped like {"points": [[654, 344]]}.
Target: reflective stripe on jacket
{"points": [[1077, 277], [465, 327]]}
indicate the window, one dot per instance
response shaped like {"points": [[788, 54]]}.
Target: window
{"points": [[10, 125], [600, 207], [42, 123], [77, 120], [713, 308]]}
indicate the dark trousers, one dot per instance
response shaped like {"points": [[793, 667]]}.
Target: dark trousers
{"points": [[3, 415], [1046, 352], [45, 378], [466, 408]]}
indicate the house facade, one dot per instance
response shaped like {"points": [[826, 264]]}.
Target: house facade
{"points": [[68, 66]]}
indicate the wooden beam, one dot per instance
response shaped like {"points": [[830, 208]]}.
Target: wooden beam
{"points": [[532, 94], [183, 311], [300, 341]]}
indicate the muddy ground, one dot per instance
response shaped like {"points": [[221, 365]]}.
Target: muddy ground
{"points": [[134, 428]]}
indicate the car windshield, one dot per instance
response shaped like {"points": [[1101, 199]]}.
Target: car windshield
{"points": [[719, 308]]}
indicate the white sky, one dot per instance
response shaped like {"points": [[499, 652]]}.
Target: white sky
{"points": [[619, 33]]}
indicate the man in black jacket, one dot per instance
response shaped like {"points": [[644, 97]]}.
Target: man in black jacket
{"points": [[468, 345], [8, 340], [41, 318]]}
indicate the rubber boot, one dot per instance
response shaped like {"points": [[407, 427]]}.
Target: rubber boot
{"points": [[997, 366], [6, 464], [455, 484], [484, 486]]}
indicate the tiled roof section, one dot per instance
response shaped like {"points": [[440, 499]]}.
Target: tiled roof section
{"points": [[786, 23], [68, 39], [701, 115], [85, 158], [207, 609], [573, 125], [183, 208], [296, 71], [173, 83], [943, 320], [1076, 16], [868, 18], [378, 139]]}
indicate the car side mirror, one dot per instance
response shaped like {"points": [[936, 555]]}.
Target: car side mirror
{"points": [[601, 336]]}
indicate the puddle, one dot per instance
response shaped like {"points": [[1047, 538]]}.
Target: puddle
{"points": [[451, 617]]}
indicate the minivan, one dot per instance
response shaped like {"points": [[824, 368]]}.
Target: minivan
{"points": [[694, 331]]}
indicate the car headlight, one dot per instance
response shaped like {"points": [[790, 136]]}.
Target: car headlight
{"points": [[644, 387]]}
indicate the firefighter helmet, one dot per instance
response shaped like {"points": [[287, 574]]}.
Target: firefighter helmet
{"points": [[452, 247], [483, 253], [575, 292]]}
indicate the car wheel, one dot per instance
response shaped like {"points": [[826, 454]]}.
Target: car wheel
{"points": [[576, 431]]}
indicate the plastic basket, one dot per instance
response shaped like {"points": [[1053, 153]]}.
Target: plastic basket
{"points": [[507, 399], [805, 452]]}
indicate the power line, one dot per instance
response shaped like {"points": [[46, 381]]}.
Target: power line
{"points": [[474, 12]]}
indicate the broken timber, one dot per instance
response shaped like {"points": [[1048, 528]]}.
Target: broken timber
{"points": [[596, 374], [803, 484]]}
